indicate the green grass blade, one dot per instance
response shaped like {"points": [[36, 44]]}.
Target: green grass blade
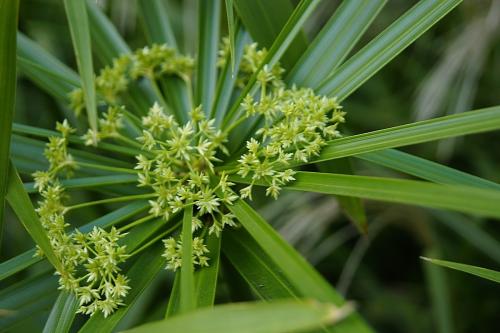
{"points": [[332, 45], [440, 298], [425, 169], [173, 301], [256, 267], [18, 263], [21, 204], [89, 182], [226, 81], [8, 27], [205, 279], [45, 133], [107, 42], [275, 317], [62, 314], [76, 13], [465, 199], [392, 41], [265, 20], [208, 46], [231, 30], [294, 267], [473, 270], [187, 300], [45, 70], [423, 131], [156, 22], [141, 274]]}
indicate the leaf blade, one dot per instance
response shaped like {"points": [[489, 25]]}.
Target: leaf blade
{"points": [[277, 317], [393, 40], [473, 270], [8, 26], [76, 12], [334, 42]]}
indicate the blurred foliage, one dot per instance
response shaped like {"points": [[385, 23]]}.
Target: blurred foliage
{"points": [[382, 272]]}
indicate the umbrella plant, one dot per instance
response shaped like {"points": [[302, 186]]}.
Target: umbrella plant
{"points": [[177, 146]]}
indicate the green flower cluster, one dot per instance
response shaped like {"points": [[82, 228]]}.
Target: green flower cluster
{"points": [[178, 164], [89, 261], [173, 253], [149, 62], [178, 167]]}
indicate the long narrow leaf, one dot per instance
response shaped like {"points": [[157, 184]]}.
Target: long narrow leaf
{"points": [[423, 131], [45, 70], [465, 199], [392, 41], [276, 317], [62, 314], [206, 278], [187, 300], [156, 22], [76, 13], [295, 268], [21, 204], [335, 41], [425, 169], [8, 28], [474, 270], [209, 21]]}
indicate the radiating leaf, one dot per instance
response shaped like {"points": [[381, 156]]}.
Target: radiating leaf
{"points": [[473, 270], [302, 276], [8, 28], [187, 300], [205, 278], [231, 30], [62, 314], [256, 267], [76, 13], [425, 169], [45, 70], [334, 42], [422, 131], [156, 22], [465, 199], [275, 317], [21, 204], [208, 45], [388, 44]]}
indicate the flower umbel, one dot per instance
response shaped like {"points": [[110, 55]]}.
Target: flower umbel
{"points": [[176, 164]]}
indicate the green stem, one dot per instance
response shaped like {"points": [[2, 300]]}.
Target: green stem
{"points": [[136, 222], [112, 200], [157, 238], [106, 167], [128, 141]]}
